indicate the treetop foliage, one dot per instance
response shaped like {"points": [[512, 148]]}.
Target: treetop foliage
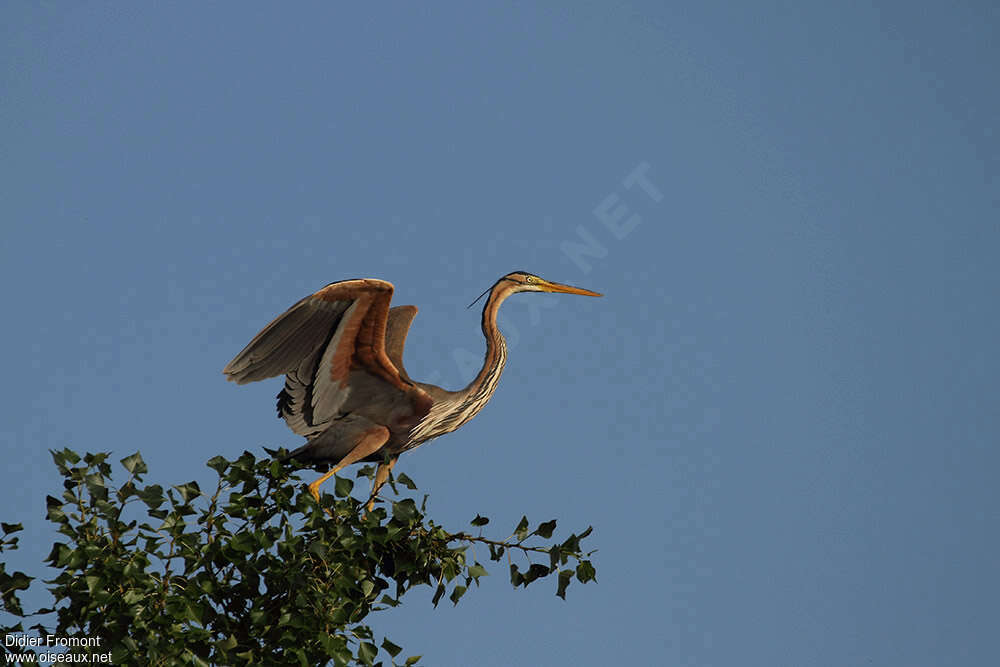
{"points": [[254, 571]]}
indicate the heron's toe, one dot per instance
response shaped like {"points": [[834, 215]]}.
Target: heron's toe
{"points": [[314, 490]]}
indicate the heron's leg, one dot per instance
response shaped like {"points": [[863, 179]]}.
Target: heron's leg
{"points": [[381, 476], [371, 441]]}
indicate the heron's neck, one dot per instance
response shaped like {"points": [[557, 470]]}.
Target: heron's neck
{"points": [[485, 383], [454, 408]]}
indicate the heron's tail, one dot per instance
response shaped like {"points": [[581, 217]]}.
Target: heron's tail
{"points": [[286, 456]]}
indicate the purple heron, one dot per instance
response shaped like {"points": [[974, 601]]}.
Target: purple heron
{"points": [[346, 391]]}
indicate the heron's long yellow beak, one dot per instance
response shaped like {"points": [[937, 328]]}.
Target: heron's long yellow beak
{"points": [[566, 289]]}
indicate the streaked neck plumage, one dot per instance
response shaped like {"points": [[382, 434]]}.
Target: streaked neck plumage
{"points": [[485, 383], [458, 407]]}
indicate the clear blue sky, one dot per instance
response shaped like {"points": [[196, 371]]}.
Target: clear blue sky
{"points": [[782, 419]]}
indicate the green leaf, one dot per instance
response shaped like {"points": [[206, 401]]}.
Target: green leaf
{"points": [[565, 576], [343, 486], [9, 528], [585, 572], [193, 612], [479, 521], [413, 659], [59, 555], [403, 479], [54, 511], [546, 529], [244, 542], [218, 464], [96, 487], [405, 510], [391, 648], [477, 570], [65, 455], [59, 458], [437, 594], [536, 571], [367, 652], [134, 464], [522, 529], [188, 491], [456, 594], [572, 544], [515, 577], [151, 495], [555, 555], [132, 596], [17, 581]]}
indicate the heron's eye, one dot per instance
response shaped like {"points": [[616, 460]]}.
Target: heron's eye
{"points": [[529, 279]]}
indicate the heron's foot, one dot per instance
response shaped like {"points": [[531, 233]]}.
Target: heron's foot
{"points": [[314, 490]]}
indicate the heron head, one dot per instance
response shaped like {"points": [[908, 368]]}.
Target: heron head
{"points": [[522, 281]]}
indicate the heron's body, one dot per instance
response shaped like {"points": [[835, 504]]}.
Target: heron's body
{"points": [[346, 390]]}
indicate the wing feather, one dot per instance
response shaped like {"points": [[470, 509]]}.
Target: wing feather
{"points": [[400, 318], [320, 341], [281, 345], [330, 387]]}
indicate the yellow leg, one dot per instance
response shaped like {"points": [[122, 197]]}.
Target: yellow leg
{"points": [[381, 476], [370, 442]]}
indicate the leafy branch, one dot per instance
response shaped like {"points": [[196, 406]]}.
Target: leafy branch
{"points": [[255, 570]]}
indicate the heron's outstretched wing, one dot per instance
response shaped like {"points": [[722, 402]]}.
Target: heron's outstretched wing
{"points": [[400, 318], [318, 343]]}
